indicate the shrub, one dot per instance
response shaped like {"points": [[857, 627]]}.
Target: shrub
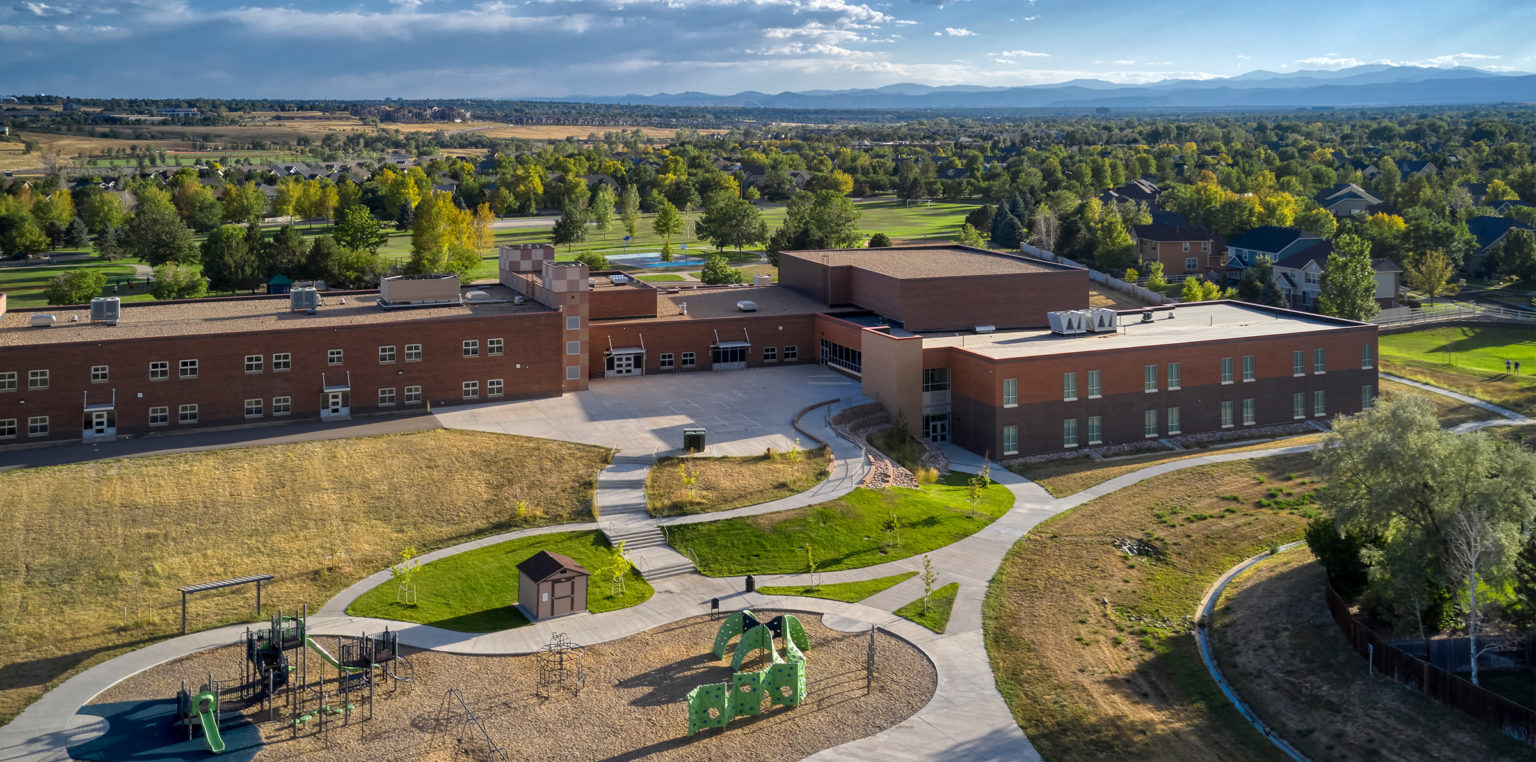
{"points": [[1339, 554]]}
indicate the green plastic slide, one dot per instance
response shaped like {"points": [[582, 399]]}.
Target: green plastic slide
{"points": [[208, 715], [316, 647]]}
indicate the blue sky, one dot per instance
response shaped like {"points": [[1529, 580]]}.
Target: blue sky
{"points": [[533, 48]]}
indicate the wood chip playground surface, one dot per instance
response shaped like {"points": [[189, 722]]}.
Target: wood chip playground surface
{"points": [[633, 705]]}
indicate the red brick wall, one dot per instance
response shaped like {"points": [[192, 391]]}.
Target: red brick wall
{"points": [[623, 302], [697, 335], [530, 367], [1006, 301]]}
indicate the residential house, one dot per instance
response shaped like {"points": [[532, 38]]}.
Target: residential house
{"points": [[1478, 191], [1181, 250], [1346, 199], [1489, 232], [1412, 167], [1503, 207], [1269, 241], [1300, 276], [1142, 191]]}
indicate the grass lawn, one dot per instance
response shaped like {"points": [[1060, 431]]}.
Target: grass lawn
{"points": [[24, 285], [1094, 650], [724, 483], [1467, 359], [939, 605], [663, 278], [1283, 653], [475, 591], [92, 553], [847, 533], [847, 592]]}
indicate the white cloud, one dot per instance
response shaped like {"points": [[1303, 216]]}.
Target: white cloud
{"points": [[1334, 61], [1019, 54], [809, 49], [1123, 62], [955, 31]]}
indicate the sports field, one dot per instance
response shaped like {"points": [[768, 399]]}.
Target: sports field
{"points": [[1468, 359]]}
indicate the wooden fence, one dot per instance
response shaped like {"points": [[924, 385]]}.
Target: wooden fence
{"points": [[1512, 719]]}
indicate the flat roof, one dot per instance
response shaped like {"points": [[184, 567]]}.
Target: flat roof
{"points": [[720, 301], [1205, 321], [946, 261], [239, 315]]}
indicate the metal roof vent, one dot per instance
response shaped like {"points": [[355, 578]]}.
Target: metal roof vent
{"points": [[984, 328], [746, 305]]}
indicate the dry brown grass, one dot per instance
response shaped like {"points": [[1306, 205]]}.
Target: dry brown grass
{"points": [[1500, 390], [578, 131], [1094, 649], [91, 554], [1071, 476], [1281, 650], [1103, 297], [1449, 411], [726, 483]]}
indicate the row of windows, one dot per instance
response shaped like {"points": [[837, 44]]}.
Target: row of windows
{"points": [[470, 389], [1150, 375], [37, 426], [670, 360]]}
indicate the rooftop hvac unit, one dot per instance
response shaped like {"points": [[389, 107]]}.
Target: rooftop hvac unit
{"points": [[746, 306], [619, 279], [762, 280], [303, 300], [984, 328], [1066, 321], [106, 309], [518, 299], [1103, 319]]}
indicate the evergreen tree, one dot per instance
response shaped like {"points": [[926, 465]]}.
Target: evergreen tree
{"points": [[1258, 284]]}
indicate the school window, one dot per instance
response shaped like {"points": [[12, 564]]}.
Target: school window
{"points": [[1298, 363], [472, 348], [1095, 429], [1367, 397], [1226, 414], [1095, 388], [188, 369], [494, 347], [37, 426], [1149, 423], [253, 408], [282, 405], [333, 357], [1365, 356], [37, 379], [1069, 386], [159, 415], [253, 363], [493, 387], [1175, 423], [386, 354], [471, 390], [935, 379], [98, 373], [159, 370], [282, 361], [1299, 405], [1248, 412], [7, 428], [770, 354], [1226, 370], [688, 360], [573, 323], [1069, 432], [387, 397], [1317, 361], [186, 414], [1319, 403], [791, 352], [1149, 378], [664, 360], [412, 395], [1175, 375], [1010, 440], [1248, 374], [1010, 392], [413, 353], [573, 347], [1191, 264], [8, 381]]}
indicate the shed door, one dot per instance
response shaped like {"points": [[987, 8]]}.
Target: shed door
{"points": [[562, 597]]}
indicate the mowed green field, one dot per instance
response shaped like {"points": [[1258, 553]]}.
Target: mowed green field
{"points": [[1468, 359], [24, 286]]}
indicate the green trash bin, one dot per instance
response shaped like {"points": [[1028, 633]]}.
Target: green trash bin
{"points": [[693, 439]]}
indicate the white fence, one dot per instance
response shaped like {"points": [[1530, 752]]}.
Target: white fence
{"points": [[1130, 289], [1448, 313]]}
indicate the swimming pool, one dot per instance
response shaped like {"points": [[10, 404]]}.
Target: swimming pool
{"points": [[653, 259]]}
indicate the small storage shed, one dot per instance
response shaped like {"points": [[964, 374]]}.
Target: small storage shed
{"points": [[279, 284], [551, 585]]}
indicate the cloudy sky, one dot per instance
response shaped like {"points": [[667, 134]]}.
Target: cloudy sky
{"points": [[533, 48]]}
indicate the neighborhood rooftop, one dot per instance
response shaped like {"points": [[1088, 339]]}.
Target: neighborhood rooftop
{"points": [[1200, 322]]}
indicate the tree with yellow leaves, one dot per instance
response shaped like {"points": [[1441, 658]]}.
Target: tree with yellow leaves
{"points": [[480, 234]]}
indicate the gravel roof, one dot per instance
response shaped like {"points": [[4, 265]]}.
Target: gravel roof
{"points": [[926, 261], [238, 315]]}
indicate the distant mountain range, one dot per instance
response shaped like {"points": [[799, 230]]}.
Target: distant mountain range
{"points": [[1371, 85]]}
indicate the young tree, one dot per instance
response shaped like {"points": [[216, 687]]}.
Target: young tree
{"points": [[717, 271], [76, 287], [481, 236], [1115, 249], [594, 260], [1349, 282], [1047, 228], [359, 229], [602, 208], [970, 236], [1155, 279], [1430, 274], [629, 209], [930, 578], [1195, 289], [879, 241], [173, 281], [667, 223]]}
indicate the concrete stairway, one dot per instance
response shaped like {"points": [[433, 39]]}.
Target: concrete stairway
{"points": [[623, 518]]}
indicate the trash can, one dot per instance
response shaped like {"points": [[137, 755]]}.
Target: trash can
{"points": [[693, 439], [751, 583]]}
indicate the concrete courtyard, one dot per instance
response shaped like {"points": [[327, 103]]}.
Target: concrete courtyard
{"points": [[744, 412]]}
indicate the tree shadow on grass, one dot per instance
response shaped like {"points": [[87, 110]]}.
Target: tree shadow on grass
{"points": [[488, 620], [35, 672]]}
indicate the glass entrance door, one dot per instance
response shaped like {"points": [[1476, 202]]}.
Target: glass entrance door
{"points": [[936, 427]]}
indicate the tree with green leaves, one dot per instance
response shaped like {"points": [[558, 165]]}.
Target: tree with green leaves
{"points": [[1430, 274], [970, 236], [243, 202], [228, 262], [1155, 279], [1114, 250], [594, 260], [820, 220], [1258, 284], [629, 209], [76, 236], [174, 281], [879, 241], [667, 223], [359, 229], [729, 220], [718, 272], [78, 286], [1196, 289], [101, 212], [602, 208], [1517, 255], [285, 253], [929, 578], [1349, 282], [156, 233], [109, 245]]}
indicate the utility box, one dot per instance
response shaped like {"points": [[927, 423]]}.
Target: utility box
{"points": [[693, 439]]}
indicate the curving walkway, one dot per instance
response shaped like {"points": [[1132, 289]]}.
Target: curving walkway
{"points": [[966, 718]]}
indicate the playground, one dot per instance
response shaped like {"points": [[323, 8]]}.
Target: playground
{"points": [[631, 700]]}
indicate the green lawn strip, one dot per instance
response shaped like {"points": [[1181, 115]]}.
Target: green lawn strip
{"points": [[662, 278], [475, 591], [847, 533], [1467, 359], [847, 592], [939, 605]]}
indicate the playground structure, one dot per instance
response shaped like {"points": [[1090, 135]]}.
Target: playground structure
{"points": [[560, 664], [714, 705], [269, 675]]}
